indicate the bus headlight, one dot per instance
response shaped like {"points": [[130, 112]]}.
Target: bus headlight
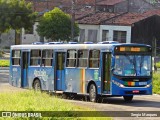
{"points": [[149, 85], [118, 84]]}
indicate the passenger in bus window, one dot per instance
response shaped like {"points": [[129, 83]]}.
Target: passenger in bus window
{"points": [[118, 68]]}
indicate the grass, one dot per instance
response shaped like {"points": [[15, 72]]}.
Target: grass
{"points": [[156, 83], [37, 101], [158, 65], [4, 63]]}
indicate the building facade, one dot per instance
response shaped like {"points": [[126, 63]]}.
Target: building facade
{"points": [[7, 39]]}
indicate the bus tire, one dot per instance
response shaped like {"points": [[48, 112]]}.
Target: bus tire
{"points": [[92, 93], [64, 95], [37, 85], [128, 98]]}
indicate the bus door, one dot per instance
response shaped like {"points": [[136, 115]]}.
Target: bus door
{"points": [[106, 72], [59, 70], [24, 68]]}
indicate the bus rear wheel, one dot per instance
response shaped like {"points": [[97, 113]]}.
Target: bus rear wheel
{"points": [[128, 98], [37, 85], [92, 93]]}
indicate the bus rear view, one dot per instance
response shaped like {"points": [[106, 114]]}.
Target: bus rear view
{"points": [[132, 71]]}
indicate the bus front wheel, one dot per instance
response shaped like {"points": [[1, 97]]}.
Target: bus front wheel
{"points": [[92, 93], [37, 85], [128, 98]]}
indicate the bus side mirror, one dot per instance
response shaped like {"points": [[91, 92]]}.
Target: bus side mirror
{"points": [[112, 69]]}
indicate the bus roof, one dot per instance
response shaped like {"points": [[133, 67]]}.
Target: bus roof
{"points": [[72, 46]]}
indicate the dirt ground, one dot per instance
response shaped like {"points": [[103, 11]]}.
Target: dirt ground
{"points": [[6, 87]]}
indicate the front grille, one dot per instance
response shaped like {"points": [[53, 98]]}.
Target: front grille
{"points": [[135, 86], [132, 82]]}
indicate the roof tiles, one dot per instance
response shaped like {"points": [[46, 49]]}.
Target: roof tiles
{"points": [[96, 18], [109, 2], [130, 18], [117, 19]]}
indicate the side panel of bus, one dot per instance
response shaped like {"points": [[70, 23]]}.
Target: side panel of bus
{"points": [[16, 76], [47, 79], [19, 68], [93, 75], [86, 72], [73, 80], [78, 79], [15, 69], [43, 73]]}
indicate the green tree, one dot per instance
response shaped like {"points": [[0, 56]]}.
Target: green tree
{"points": [[3, 17], [56, 25], [16, 14]]}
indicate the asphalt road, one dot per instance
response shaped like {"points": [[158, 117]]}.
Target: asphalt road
{"points": [[4, 76], [139, 104]]}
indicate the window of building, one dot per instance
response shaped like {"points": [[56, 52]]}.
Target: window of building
{"points": [[35, 57], [119, 36], [71, 58], [16, 55], [92, 35], [105, 35], [82, 58], [94, 58], [82, 35], [47, 56]]}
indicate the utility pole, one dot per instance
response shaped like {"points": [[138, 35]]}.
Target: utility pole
{"points": [[128, 8], [155, 46], [34, 5], [47, 5], [95, 6], [73, 20]]}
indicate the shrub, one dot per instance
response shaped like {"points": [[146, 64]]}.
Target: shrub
{"points": [[4, 63], [1, 53], [158, 65], [156, 83]]}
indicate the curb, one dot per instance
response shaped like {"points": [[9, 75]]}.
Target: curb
{"points": [[4, 68], [4, 58]]}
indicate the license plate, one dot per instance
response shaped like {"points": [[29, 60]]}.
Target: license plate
{"points": [[142, 83], [135, 91]]}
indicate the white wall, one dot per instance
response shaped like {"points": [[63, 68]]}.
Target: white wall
{"points": [[30, 38], [111, 28], [89, 27], [7, 39]]}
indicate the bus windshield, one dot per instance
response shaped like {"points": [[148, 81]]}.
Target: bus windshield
{"points": [[132, 65]]}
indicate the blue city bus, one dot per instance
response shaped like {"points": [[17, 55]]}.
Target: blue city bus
{"points": [[112, 69]]}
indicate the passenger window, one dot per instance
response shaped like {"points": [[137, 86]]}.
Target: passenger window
{"points": [[16, 55], [82, 58], [47, 56], [35, 57], [94, 58], [71, 58]]}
